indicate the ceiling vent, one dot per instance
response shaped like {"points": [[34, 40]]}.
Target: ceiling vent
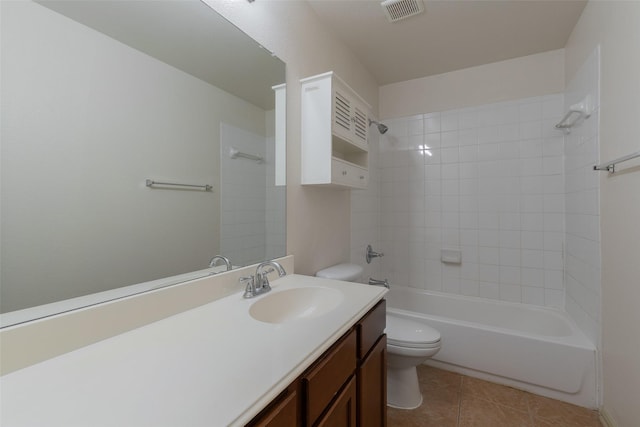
{"points": [[397, 10]]}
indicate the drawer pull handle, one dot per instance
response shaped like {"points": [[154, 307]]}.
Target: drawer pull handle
{"points": [[361, 176], [344, 172]]}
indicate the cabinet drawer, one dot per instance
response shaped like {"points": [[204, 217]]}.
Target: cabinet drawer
{"points": [[344, 173], [371, 327], [324, 381]]}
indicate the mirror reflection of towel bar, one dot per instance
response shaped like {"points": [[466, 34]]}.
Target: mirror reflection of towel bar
{"points": [[234, 154], [151, 183]]}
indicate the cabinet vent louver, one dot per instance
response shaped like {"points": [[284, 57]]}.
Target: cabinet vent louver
{"points": [[360, 124], [397, 10], [343, 106]]}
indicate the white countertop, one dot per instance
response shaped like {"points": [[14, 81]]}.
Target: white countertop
{"points": [[211, 366]]}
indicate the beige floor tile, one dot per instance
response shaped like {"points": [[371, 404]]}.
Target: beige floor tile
{"points": [[476, 412], [439, 407], [541, 422], [401, 418], [495, 393], [453, 400], [431, 378], [428, 415], [549, 412]]}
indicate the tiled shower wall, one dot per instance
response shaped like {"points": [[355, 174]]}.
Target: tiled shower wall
{"points": [[365, 215], [487, 181], [242, 197], [275, 202], [583, 265]]}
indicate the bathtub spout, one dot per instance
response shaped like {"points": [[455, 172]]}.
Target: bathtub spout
{"points": [[377, 282]]}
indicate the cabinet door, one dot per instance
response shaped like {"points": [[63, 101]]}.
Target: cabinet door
{"points": [[342, 412], [372, 387], [324, 380], [342, 125], [360, 126], [284, 414]]}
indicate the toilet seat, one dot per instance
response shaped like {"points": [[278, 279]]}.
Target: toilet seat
{"points": [[408, 333]]}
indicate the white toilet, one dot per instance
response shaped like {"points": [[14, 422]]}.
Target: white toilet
{"points": [[409, 343]]}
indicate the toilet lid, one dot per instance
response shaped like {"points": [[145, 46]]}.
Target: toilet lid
{"points": [[410, 333], [346, 272]]}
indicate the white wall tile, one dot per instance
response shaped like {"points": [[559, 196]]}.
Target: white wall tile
{"points": [[469, 287], [554, 298], [533, 259], [449, 121], [510, 275], [432, 123], [511, 293], [531, 111], [531, 130], [494, 188], [510, 257], [488, 255], [533, 277], [415, 126], [489, 290], [531, 295]]}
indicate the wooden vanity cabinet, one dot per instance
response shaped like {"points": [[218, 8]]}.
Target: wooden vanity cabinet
{"points": [[372, 368], [283, 411], [327, 377], [343, 411], [345, 387]]}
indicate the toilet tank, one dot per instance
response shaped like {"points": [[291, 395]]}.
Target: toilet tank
{"points": [[345, 272]]}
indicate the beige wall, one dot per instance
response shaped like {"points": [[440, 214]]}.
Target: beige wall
{"points": [[317, 219], [533, 75], [615, 25]]}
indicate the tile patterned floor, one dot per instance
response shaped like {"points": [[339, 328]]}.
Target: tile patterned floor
{"points": [[454, 400]]}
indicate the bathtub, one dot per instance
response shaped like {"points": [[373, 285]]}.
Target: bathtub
{"points": [[532, 348]]}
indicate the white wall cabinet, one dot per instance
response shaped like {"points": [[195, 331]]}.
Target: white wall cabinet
{"points": [[335, 133]]}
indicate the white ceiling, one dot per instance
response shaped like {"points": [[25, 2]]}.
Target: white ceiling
{"points": [[449, 35]]}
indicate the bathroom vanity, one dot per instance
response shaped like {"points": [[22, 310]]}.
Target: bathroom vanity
{"points": [[346, 386], [217, 364]]}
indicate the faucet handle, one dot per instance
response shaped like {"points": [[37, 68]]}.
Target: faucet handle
{"points": [[370, 254], [250, 289], [263, 280]]}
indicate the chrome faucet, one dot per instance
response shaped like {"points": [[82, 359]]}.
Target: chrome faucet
{"points": [[215, 259], [259, 283], [262, 280], [377, 282]]}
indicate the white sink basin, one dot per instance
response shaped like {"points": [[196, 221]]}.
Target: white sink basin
{"points": [[295, 304]]}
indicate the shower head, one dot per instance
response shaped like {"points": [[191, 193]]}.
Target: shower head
{"points": [[382, 128]]}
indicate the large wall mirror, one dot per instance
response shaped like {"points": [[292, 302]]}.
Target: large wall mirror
{"points": [[101, 97]]}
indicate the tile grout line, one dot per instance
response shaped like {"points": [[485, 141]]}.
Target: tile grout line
{"points": [[530, 410], [459, 401]]}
